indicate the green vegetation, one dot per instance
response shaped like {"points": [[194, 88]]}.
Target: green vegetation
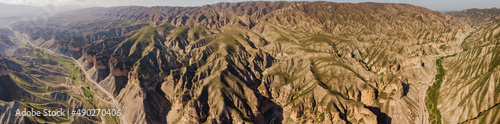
{"points": [[384, 95], [181, 32], [284, 39], [321, 117], [229, 38], [76, 74], [39, 53], [148, 33], [33, 80], [197, 29], [87, 92], [144, 34], [320, 38], [433, 93]]}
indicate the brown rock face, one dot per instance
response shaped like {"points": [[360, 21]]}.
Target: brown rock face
{"points": [[260, 62]]}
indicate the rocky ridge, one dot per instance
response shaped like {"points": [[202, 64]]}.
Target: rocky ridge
{"points": [[260, 62], [469, 93]]}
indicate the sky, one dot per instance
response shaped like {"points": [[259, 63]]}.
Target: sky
{"points": [[440, 5]]}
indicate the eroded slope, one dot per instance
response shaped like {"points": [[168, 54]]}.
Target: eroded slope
{"points": [[260, 62]]}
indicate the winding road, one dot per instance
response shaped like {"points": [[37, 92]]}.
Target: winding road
{"points": [[102, 89]]}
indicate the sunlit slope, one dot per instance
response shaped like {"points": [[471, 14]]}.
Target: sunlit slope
{"points": [[470, 91], [32, 78]]}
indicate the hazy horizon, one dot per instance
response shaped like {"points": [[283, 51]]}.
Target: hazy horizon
{"points": [[439, 5]]}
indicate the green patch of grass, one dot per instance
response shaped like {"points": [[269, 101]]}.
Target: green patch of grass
{"points": [[181, 32], [198, 29], [383, 95], [320, 38], [284, 39], [464, 43], [433, 94], [76, 74], [90, 95], [39, 54], [87, 92], [321, 117], [145, 33], [495, 63], [229, 38]]}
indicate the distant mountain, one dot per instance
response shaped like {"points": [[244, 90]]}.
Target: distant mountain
{"points": [[476, 16], [12, 13], [8, 10]]}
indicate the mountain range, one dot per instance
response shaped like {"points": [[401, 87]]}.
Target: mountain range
{"points": [[256, 62]]}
